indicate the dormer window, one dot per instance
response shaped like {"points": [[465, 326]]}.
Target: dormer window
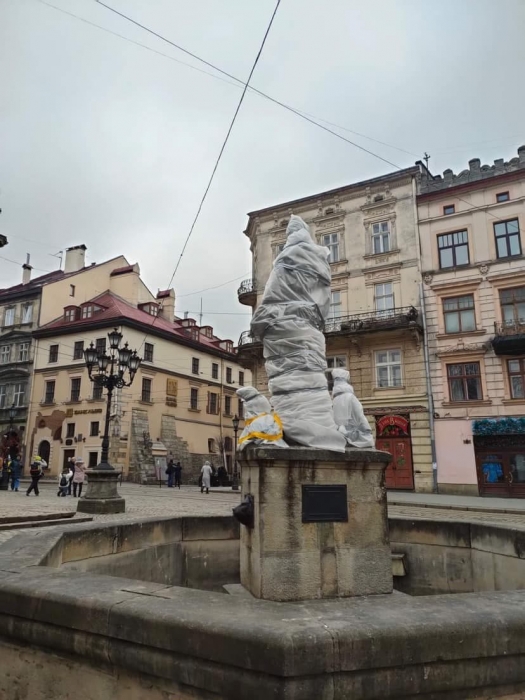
{"points": [[151, 309], [226, 345], [71, 313], [207, 331], [89, 309]]}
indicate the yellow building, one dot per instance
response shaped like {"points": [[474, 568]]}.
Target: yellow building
{"points": [[375, 327], [183, 394]]}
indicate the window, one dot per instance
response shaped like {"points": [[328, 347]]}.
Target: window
{"points": [[336, 361], [214, 370], [9, 316], [228, 405], [240, 409], [78, 350], [213, 403], [459, 314], [148, 352], [146, 390], [27, 313], [194, 399], [75, 389], [92, 459], [464, 382], [49, 396], [70, 430], [335, 305], [384, 297], [331, 241], [100, 345], [23, 352], [516, 369], [241, 378], [211, 445], [71, 314], [502, 197], [97, 391], [195, 365], [388, 368], [53, 353], [5, 354], [453, 249], [449, 209], [19, 394], [229, 378], [71, 290], [508, 241], [381, 237], [278, 249], [512, 305], [94, 429], [228, 444], [87, 311], [3, 395]]}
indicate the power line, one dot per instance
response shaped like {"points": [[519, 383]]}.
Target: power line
{"points": [[207, 289]]}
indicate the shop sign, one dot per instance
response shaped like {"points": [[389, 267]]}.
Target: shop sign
{"points": [[392, 425], [88, 410]]}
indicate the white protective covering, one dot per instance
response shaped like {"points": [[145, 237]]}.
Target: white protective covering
{"points": [[289, 321], [348, 412], [261, 426]]}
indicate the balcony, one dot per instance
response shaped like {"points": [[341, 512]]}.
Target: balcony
{"points": [[375, 321], [509, 338], [249, 350], [247, 293]]}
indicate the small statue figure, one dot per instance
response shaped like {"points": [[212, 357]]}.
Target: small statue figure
{"points": [[348, 411], [261, 425]]}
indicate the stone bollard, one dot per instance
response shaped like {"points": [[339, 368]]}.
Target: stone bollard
{"points": [[320, 524]]}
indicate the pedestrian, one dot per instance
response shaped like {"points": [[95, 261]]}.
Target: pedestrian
{"points": [[71, 465], [170, 471], [206, 473], [16, 469], [177, 473], [35, 472], [63, 481], [222, 475], [78, 477]]}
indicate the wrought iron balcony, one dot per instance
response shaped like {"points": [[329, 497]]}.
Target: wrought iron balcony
{"points": [[373, 321], [247, 293], [249, 350], [509, 338]]}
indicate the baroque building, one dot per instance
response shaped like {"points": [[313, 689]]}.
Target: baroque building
{"points": [[375, 327]]}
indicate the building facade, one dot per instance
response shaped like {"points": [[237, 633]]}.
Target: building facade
{"points": [[473, 269], [375, 327], [183, 395]]}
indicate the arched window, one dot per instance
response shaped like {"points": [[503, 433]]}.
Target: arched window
{"points": [[44, 449], [228, 444]]}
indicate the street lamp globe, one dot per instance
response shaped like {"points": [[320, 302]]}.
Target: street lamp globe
{"points": [[114, 338], [12, 413], [124, 355], [90, 355], [235, 423]]}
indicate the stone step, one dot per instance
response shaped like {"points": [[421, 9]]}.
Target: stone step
{"points": [[237, 589], [43, 523], [40, 517], [398, 564]]}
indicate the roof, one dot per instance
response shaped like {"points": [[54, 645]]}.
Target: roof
{"points": [[122, 270], [34, 284], [117, 310]]}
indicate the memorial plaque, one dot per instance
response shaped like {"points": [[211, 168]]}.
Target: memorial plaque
{"points": [[325, 504]]}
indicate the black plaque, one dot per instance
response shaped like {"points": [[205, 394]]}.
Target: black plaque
{"points": [[325, 504]]}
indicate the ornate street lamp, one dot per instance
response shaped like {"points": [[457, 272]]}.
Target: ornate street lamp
{"points": [[235, 482], [113, 370]]}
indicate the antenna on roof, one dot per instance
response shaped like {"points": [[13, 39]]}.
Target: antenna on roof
{"points": [[426, 158], [200, 315], [58, 255]]}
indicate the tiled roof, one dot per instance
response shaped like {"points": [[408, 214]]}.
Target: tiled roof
{"points": [[115, 307], [34, 283]]}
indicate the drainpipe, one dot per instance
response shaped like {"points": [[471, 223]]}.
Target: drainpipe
{"points": [[425, 349]]}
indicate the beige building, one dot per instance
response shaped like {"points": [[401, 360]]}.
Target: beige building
{"points": [[375, 327], [183, 394], [474, 283]]}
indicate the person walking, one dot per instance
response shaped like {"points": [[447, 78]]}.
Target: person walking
{"points": [[16, 469], [206, 473], [35, 472], [170, 471], [71, 465], [177, 473], [78, 477], [63, 481]]}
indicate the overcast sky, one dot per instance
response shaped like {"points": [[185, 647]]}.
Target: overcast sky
{"points": [[106, 143]]}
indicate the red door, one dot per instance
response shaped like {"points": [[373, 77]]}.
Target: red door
{"points": [[399, 473]]}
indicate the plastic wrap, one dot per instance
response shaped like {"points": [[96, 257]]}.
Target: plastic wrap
{"points": [[348, 412], [261, 425], [290, 321]]}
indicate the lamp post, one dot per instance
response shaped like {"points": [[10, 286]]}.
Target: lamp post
{"points": [[10, 447], [235, 482], [112, 371]]}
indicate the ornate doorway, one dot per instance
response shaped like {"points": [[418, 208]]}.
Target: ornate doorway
{"points": [[393, 435]]}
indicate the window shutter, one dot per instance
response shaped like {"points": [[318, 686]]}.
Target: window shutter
{"points": [[209, 402]]}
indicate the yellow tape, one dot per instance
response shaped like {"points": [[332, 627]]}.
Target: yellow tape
{"points": [[263, 436]]}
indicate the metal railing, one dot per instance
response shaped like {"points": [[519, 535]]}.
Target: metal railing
{"points": [[246, 339], [514, 327], [246, 287], [399, 317]]}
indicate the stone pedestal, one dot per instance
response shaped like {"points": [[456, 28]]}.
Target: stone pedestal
{"points": [[101, 493], [320, 523]]}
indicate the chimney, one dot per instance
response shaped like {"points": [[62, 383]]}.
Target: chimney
{"points": [[75, 258], [521, 154], [26, 271], [475, 168], [167, 301]]}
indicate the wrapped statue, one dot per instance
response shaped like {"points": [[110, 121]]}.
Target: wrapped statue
{"points": [[290, 322], [261, 425], [348, 412]]}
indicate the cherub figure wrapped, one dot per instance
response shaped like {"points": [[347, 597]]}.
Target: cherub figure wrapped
{"points": [[261, 425], [348, 411]]}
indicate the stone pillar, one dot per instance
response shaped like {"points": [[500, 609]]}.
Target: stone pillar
{"points": [[320, 523], [101, 493]]}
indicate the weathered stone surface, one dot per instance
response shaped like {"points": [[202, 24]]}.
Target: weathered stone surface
{"points": [[101, 493]]}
